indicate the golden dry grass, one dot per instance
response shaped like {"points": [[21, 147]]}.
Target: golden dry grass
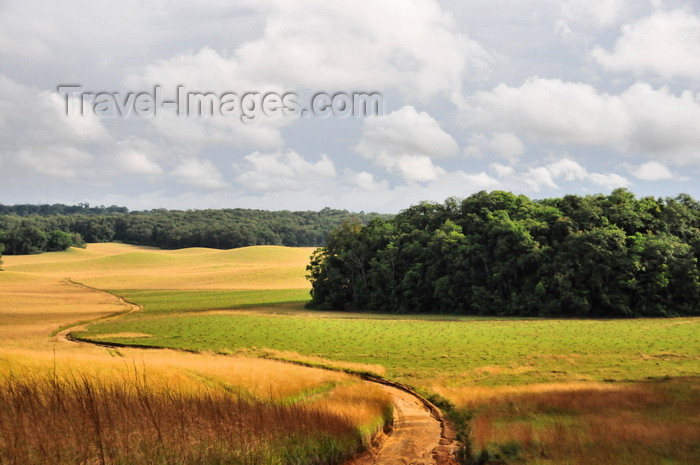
{"points": [[36, 300], [310, 360], [32, 306], [49, 419], [258, 377], [650, 422], [121, 266], [474, 396], [84, 406]]}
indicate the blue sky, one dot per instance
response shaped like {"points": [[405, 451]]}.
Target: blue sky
{"points": [[544, 98]]}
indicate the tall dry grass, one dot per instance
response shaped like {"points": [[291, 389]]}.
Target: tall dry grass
{"points": [[47, 419], [653, 422]]}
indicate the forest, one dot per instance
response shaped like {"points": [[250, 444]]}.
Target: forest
{"points": [[31, 229], [501, 254]]}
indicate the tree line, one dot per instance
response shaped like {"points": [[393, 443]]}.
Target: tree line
{"points": [[30, 229], [501, 254]]}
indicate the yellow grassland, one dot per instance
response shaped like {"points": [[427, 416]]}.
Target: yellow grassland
{"points": [[36, 300], [652, 422], [311, 360], [122, 266], [32, 306], [474, 396]]}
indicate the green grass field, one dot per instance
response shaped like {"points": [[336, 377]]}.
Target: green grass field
{"points": [[423, 351], [159, 301]]}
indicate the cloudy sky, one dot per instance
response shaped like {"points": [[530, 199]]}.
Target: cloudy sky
{"points": [[541, 97]]}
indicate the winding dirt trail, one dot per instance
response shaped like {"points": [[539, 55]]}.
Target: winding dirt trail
{"points": [[416, 433], [64, 334], [420, 434]]}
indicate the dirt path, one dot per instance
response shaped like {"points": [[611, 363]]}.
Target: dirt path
{"points": [[64, 334], [420, 435]]}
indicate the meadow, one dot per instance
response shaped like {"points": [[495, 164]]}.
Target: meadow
{"points": [[66, 403], [431, 354], [543, 391]]}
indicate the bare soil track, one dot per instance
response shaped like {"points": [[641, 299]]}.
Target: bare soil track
{"points": [[420, 434], [65, 336]]}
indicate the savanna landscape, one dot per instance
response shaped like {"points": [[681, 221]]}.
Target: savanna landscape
{"points": [[367, 232], [118, 353], [64, 402]]}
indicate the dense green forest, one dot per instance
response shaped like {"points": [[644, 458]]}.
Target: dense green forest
{"points": [[29, 229], [501, 254]]}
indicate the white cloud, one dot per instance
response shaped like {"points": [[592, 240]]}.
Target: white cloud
{"points": [[413, 168], [502, 144], [31, 116], [104, 40], [664, 123], [534, 179], [406, 141], [315, 44], [137, 156], [652, 171], [567, 169], [600, 12], [36, 134], [210, 71], [553, 111], [201, 174], [138, 163], [198, 133], [60, 162], [391, 199], [336, 46], [365, 181], [666, 44], [580, 20], [203, 72], [284, 171], [405, 131], [507, 145], [608, 180], [502, 171], [344, 192]]}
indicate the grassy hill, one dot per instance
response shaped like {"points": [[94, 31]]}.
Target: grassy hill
{"points": [[62, 402]]}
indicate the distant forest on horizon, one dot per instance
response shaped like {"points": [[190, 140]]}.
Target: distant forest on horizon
{"points": [[31, 229]]}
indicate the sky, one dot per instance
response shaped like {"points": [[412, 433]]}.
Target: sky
{"points": [[537, 97]]}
